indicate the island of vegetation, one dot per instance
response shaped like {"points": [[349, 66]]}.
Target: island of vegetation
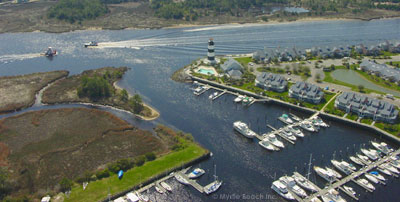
{"points": [[48, 151], [18, 92], [67, 15], [98, 87]]}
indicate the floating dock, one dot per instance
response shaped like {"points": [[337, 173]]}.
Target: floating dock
{"points": [[193, 183], [219, 95]]}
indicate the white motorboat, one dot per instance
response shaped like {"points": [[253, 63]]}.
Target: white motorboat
{"points": [[365, 159], [199, 90], [238, 98], [356, 160], [285, 119], [390, 168], [166, 186], [377, 175], [332, 195], [366, 183], [181, 180], [272, 138], [350, 190], [142, 197], [243, 129], [327, 175], [296, 131], [291, 185], [296, 118], [372, 154], [336, 174], [319, 122], [213, 95], [371, 178], [196, 173], [131, 197], [349, 165], [306, 125], [338, 165], [281, 189], [395, 163], [384, 171], [90, 44], [382, 147], [268, 145], [285, 132], [159, 190], [304, 183]]}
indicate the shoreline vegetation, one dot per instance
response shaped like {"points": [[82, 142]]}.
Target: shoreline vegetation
{"points": [[48, 16], [48, 151]]}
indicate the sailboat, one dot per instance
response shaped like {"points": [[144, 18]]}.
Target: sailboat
{"points": [[214, 186]]}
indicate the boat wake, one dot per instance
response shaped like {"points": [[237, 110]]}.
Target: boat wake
{"points": [[15, 57]]}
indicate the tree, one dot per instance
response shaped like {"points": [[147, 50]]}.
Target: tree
{"points": [[318, 77], [65, 184], [94, 88], [360, 88], [124, 95], [136, 103], [5, 186]]}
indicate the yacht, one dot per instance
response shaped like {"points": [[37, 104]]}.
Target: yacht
{"points": [[372, 154], [272, 138], [306, 125], [366, 183], [336, 174], [390, 168], [213, 95], [296, 131], [382, 147], [332, 195], [243, 129], [90, 44], [268, 145], [329, 176], [341, 167], [181, 180], [377, 175], [281, 189], [285, 132], [166, 186], [371, 178], [238, 98], [285, 119], [365, 159], [349, 165], [395, 163], [304, 183], [318, 121], [196, 173], [356, 160], [296, 118], [384, 171], [291, 185], [350, 190]]}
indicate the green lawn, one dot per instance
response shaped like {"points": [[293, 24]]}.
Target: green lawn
{"points": [[352, 116], [244, 60], [366, 121], [394, 63], [386, 53], [99, 189], [330, 108], [393, 129]]}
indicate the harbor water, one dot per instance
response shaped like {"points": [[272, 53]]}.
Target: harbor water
{"points": [[246, 169]]}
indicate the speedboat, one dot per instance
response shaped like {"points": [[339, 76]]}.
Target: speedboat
{"points": [[238, 98], [336, 174], [356, 160], [372, 154], [272, 138], [288, 134], [304, 183], [90, 44], [306, 125], [327, 175], [332, 195], [382, 147], [390, 168], [166, 186], [350, 190], [377, 175], [243, 129], [341, 167], [291, 185], [213, 187], [296, 131], [268, 145], [281, 189], [371, 178], [159, 190], [366, 183], [364, 159], [212, 96], [50, 52], [196, 173], [181, 180], [285, 119]]}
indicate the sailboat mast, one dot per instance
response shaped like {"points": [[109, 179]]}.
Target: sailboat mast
{"points": [[309, 168]]}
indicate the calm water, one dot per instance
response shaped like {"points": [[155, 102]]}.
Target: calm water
{"points": [[351, 77], [153, 55]]}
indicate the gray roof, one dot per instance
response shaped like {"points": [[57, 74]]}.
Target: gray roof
{"points": [[310, 90], [275, 80], [383, 69], [231, 64], [259, 55], [235, 74]]}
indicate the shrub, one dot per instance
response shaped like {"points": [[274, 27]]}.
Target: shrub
{"points": [[103, 174], [65, 184], [140, 160], [150, 156]]}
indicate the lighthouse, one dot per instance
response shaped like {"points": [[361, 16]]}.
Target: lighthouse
{"points": [[211, 53]]}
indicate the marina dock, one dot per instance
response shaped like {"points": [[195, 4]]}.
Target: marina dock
{"points": [[193, 183], [219, 95], [276, 132], [348, 193]]}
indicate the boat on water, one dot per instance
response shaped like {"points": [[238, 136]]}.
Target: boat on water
{"points": [[131, 197], [50, 52], [90, 44], [395, 163], [332, 195], [377, 175], [291, 185], [142, 197], [285, 119], [247, 100], [343, 168], [306, 125], [159, 190], [365, 159], [315, 199], [327, 175], [199, 90], [382, 147], [268, 145], [349, 165], [214, 186], [319, 122], [272, 138], [181, 180], [213, 95], [370, 153], [196, 173], [300, 180], [295, 131], [390, 168], [238, 98], [289, 135], [281, 189], [371, 178], [356, 160], [350, 190], [384, 171], [166, 186], [336, 174], [243, 129], [296, 118], [366, 183]]}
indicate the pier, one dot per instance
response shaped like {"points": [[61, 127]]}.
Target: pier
{"points": [[193, 183], [219, 95]]}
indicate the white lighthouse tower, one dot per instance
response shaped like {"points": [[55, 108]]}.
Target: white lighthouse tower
{"points": [[211, 54]]}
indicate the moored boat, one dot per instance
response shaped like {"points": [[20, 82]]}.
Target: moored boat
{"points": [[285, 119], [181, 180], [268, 145], [243, 129], [371, 178], [196, 173], [296, 131], [350, 190], [377, 175], [366, 183], [290, 183], [306, 125], [382, 147], [336, 174], [289, 135], [166, 186], [356, 160], [300, 180], [370, 153], [332, 195], [281, 189], [365, 159], [272, 138], [159, 190], [327, 175]]}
